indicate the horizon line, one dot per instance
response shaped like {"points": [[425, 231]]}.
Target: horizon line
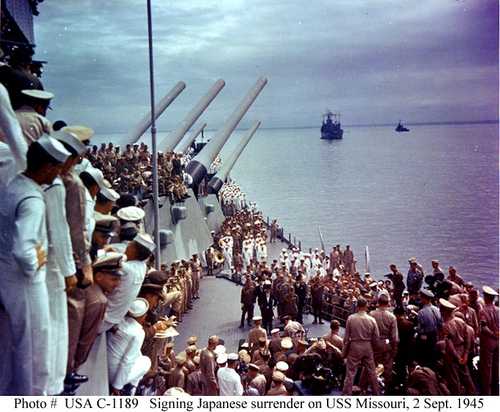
{"points": [[424, 123]]}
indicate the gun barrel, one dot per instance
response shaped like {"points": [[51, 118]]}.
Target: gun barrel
{"points": [[198, 166], [184, 144], [220, 177], [145, 123], [169, 142]]}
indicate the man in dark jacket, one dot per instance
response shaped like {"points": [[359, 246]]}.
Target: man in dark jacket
{"points": [[301, 290], [266, 304], [317, 290]]}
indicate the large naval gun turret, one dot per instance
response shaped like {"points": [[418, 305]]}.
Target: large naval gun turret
{"points": [[185, 226], [216, 182], [197, 168]]}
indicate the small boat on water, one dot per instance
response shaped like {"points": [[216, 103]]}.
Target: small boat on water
{"points": [[401, 128], [331, 128]]}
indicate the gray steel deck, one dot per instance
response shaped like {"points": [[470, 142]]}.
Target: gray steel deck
{"points": [[218, 312]]}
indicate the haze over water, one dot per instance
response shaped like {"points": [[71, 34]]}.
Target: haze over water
{"points": [[430, 193]]}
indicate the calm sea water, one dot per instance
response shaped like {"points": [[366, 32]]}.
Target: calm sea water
{"points": [[431, 193]]}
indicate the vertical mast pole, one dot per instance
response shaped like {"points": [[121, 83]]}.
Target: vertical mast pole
{"points": [[154, 154]]}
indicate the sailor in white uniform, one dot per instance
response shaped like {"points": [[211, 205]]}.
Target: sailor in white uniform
{"points": [[226, 243], [13, 146], [134, 269], [261, 251], [247, 248], [228, 379], [93, 179], [126, 364], [61, 268], [23, 257]]}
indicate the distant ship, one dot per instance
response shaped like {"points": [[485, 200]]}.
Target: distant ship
{"points": [[331, 128], [401, 128]]}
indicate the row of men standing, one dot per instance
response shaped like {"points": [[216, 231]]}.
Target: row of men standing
{"points": [[50, 232]]}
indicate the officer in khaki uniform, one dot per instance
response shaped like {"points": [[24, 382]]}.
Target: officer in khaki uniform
{"points": [[207, 366], [85, 318], [488, 358], [387, 345], [255, 333], [361, 333], [455, 370]]}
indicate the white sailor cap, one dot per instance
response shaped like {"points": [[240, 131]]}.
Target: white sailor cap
{"points": [[275, 330], [286, 343], [257, 318], [71, 140], [54, 148], [38, 94], [219, 349], [233, 356], [445, 304], [489, 291], [282, 366], [373, 284], [83, 133], [145, 240], [130, 213], [138, 307], [82, 166], [96, 175], [108, 192], [221, 358]]}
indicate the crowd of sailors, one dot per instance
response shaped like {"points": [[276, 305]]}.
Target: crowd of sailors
{"points": [[77, 265], [130, 170]]}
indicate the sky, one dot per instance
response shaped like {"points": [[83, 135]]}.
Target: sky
{"points": [[375, 61]]}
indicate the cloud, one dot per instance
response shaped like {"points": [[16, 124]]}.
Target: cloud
{"points": [[373, 61]]}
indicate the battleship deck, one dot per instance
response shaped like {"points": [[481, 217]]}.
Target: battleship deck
{"points": [[218, 312]]}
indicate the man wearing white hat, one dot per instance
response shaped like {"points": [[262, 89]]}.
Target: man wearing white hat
{"points": [[126, 364], [105, 199], [137, 252], [31, 114], [93, 179], [488, 343], [23, 258], [132, 214], [76, 215], [61, 268], [227, 377]]}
